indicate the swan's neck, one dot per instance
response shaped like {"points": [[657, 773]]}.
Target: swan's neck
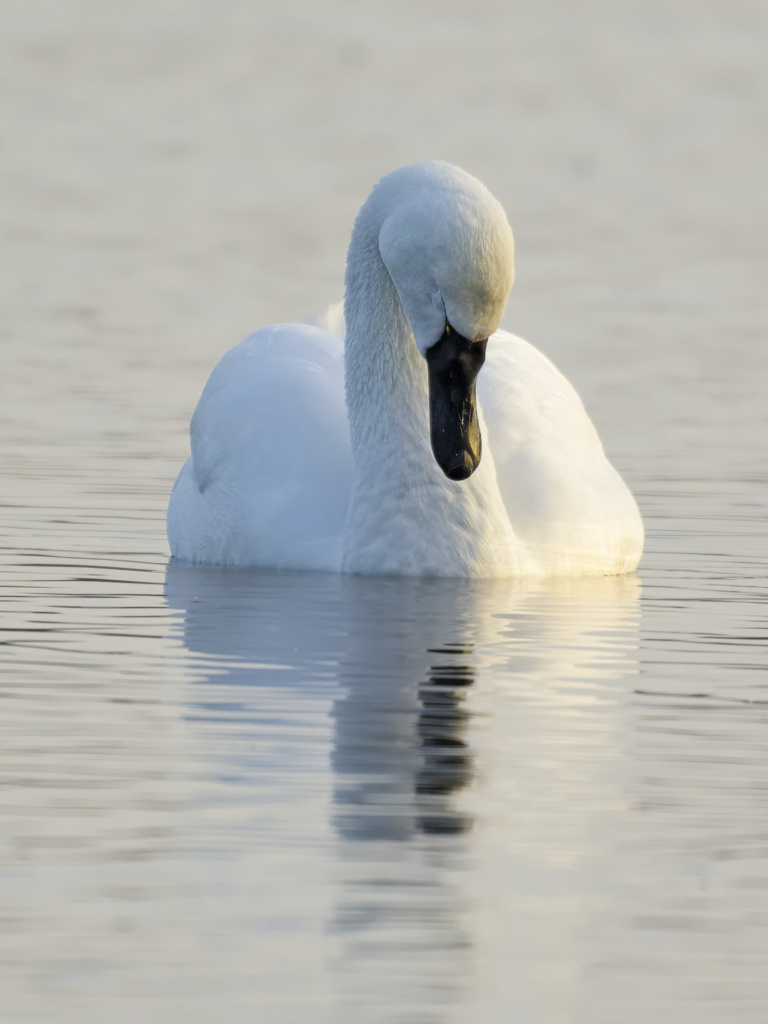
{"points": [[406, 517]]}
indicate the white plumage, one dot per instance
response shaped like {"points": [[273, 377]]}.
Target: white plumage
{"points": [[289, 472]]}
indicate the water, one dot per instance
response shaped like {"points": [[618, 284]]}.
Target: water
{"points": [[310, 799]]}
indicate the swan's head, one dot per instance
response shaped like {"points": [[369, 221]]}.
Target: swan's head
{"points": [[448, 248]]}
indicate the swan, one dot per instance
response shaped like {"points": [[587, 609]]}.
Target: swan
{"points": [[425, 442]]}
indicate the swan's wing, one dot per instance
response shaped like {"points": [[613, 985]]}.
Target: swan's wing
{"points": [[565, 501], [269, 478], [331, 320]]}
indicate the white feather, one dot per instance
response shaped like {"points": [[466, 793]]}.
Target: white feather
{"points": [[309, 452]]}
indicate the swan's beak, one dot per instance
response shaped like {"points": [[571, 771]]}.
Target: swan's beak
{"points": [[454, 363]]}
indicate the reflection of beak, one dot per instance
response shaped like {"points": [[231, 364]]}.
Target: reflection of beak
{"points": [[454, 363]]}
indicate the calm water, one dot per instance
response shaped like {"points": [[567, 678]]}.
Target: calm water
{"points": [[312, 800]]}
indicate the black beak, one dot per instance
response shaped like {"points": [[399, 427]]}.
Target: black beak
{"points": [[454, 363]]}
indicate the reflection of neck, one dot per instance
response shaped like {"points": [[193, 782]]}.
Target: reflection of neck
{"points": [[406, 517], [401, 753], [447, 765]]}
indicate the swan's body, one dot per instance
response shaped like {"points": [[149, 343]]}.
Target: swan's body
{"points": [[289, 472]]}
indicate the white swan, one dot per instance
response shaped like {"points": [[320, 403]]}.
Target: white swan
{"points": [[285, 475]]}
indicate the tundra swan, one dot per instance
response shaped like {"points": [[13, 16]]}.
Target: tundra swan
{"points": [[395, 451]]}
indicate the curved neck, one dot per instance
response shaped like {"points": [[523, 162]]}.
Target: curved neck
{"points": [[406, 517], [385, 376]]}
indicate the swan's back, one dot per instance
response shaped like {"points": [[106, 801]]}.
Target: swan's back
{"points": [[565, 501], [269, 478]]}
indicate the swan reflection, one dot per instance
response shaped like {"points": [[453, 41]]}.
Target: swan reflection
{"points": [[398, 686], [442, 729], [401, 751]]}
